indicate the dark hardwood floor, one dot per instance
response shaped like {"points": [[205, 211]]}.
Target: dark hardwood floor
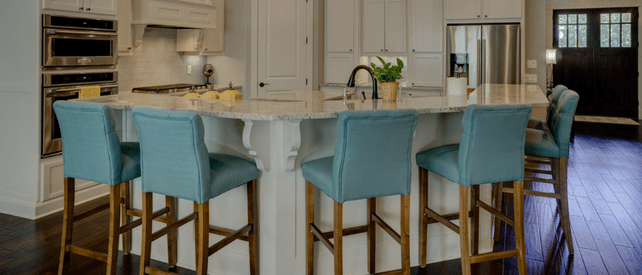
{"points": [[605, 179]]}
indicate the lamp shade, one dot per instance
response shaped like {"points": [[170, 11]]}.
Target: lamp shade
{"points": [[551, 56]]}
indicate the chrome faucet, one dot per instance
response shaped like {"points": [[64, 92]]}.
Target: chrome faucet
{"points": [[351, 81]]}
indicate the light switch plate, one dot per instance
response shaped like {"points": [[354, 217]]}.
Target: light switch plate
{"points": [[532, 64], [189, 69], [531, 78]]}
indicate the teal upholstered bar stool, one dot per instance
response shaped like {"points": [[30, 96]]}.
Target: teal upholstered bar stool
{"points": [[175, 162], [551, 147], [371, 159], [93, 152], [533, 123], [491, 150]]}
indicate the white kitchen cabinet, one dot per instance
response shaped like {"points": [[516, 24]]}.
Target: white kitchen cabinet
{"points": [[384, 26], [338, 67], [427, 70], [483, 9], [200, 42], [108, 7], [124, 27], [339, 26], [427, 26]]}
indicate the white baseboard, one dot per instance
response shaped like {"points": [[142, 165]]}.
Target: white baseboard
{"points": [[34, 211], [49, 207]]}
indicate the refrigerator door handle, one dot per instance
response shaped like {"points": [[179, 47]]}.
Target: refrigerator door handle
{"points": [[480, 62]]}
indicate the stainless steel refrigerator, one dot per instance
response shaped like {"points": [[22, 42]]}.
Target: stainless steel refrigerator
{"points": [[484, 53]]}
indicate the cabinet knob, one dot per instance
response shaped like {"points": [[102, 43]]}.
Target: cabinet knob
{"points": [[88, 9], [386, 49], [129, 48], [486, 16], [80, 8], [207, 49], [382, 50], [350, 49], [478, 16], [413, 50]]}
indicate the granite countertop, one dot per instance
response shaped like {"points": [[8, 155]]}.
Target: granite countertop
{"points": [[421, 88], [219, 88], [296, 105]]}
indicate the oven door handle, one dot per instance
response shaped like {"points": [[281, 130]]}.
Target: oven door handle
{"points": [[52, 91], [57, 31]]}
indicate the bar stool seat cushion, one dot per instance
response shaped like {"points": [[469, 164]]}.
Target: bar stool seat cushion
{"points": [[536, 123], [441, 160], [130, 157], [229, 172], [541, 143]]}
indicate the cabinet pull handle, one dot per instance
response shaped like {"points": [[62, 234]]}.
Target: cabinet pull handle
{"points": [[206, 49]]}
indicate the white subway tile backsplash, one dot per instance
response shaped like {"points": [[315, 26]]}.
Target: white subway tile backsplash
{"points": [[158, 63]]}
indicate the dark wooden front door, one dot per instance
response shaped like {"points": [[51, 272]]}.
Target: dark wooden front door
{"points": [[598, 58]]}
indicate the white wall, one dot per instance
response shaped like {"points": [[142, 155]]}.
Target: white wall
{"points": [[157, 62], [231, 66], [19, 104]]}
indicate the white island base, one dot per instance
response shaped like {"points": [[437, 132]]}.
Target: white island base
{"points": [[305, 130]]}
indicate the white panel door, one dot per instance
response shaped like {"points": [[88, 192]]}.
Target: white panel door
{"points": [[427, 70], [108, 7], [338, 67], [282, 46], [427, 26], [503, 8], [373, 23], [395, 28], [339, 26], [463, 9], [65, 5]]}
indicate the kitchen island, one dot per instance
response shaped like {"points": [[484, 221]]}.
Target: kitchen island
{"points": [[285, 129]]}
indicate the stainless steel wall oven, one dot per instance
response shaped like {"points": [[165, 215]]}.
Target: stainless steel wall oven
{"points": [[66, 86], [69, 42]]}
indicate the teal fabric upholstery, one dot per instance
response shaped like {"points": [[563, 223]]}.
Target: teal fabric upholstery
{"points": [[536, 123], [554, 143], [371, 158], [491, 148], [91, 148], [175, 161]]}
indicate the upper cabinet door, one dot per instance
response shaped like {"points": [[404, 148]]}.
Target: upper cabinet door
{"points": [[427, 26], [395, 26], [101, 6], [124, 26], [339, 26], [503, 8], [463, 9], [373, 26], [65, 5]]}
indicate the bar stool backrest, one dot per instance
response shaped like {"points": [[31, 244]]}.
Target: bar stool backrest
{"points": [[562, 120], [555, 97], [491, 148], [372, 156], [91, 148], [174, 158]]}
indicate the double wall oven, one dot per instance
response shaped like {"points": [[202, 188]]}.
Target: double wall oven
{"points": [[76, 52]]}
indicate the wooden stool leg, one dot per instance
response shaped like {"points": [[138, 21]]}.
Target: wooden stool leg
{"points": [[126, 195], [372, 235], [475, 219], [114, 228], [423, 226], [146, 249], [251, 212], [67, 224], [518, 203], [499, 197], [309, 235], [172, 235], [338, 238], [204, 240], [463, 230], [197, 234], [405, 234], [561, 174]]}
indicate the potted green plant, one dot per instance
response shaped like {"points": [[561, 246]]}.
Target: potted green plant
{"points": [[388, 76]]}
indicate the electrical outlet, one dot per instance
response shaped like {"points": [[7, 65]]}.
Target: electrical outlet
{"points": [[532, 64], [189, 69], [531, 78]]}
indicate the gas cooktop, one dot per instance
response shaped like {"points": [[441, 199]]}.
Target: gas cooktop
{"points": [[168, 89]]}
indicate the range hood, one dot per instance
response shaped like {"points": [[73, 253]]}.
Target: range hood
{"points": [[175, 14]]}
